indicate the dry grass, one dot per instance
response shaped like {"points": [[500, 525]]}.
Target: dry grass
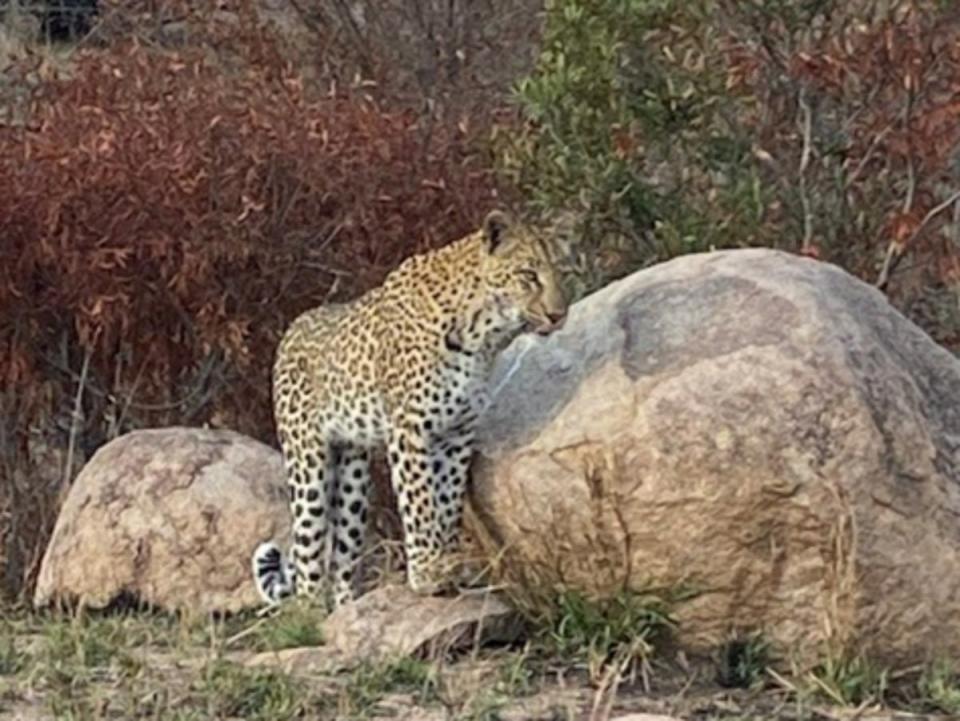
{"points": [[583, 665]]}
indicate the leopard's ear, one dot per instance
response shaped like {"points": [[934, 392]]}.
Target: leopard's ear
{"points": [[495, 228]]}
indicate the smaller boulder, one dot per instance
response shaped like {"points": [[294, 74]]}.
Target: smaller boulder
{"points": [[170, 517]]}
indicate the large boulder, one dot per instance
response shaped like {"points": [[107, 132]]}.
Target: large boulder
{"points": [[759, 428], [169, 517]]}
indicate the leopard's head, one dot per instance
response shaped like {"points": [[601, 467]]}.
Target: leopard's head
{"points": [[521, 279]]}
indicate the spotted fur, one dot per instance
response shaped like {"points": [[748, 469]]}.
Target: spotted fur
{"points": [[405, 366]]}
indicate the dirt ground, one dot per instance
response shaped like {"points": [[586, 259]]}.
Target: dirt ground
{"points": [[140, 665]]}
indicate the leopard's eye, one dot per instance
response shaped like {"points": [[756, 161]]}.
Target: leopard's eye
{"points": [[529, 276]]}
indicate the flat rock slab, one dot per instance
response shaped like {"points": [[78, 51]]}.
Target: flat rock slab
{"points": [[392, 621]]}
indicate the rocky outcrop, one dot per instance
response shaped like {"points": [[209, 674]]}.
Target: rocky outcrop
{"points": [[760, 429], [170, 517]]}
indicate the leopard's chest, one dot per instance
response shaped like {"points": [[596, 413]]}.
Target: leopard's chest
{"points": [[458, 395]]}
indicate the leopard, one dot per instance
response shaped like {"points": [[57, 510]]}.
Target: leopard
{"points": [[406, 368]]}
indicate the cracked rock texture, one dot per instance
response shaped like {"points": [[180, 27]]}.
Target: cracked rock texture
{"points": [[760, 428], [169, 516]]}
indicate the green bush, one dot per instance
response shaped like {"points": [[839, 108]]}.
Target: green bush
{"points": [[604, 117], [823, 128]]}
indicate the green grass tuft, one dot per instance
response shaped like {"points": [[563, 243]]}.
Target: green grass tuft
{"points": [[371, 682], [744, 661], [939, 687], [12, 660], [850, 681], [578, 627], [231, 690], [296, 624]]}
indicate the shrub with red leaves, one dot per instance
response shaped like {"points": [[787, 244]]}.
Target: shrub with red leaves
{"points": [[856, 114], [162, 221]]}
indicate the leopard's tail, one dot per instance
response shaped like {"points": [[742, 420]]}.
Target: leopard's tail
{"points": [[273, 573]]}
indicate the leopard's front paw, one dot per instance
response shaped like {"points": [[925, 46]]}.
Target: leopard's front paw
{"points": [[428, 578]]}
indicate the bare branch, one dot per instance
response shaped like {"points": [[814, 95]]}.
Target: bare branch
{"points": [[807, 128], [911, 170], [895, 251], [933, 213], [868, 156], [76, 420]]}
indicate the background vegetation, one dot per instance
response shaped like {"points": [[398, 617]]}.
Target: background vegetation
{"points": [[176, 184]]}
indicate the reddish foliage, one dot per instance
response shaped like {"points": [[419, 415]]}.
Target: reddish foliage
{"points": [[906, 72], [883, 98], [167, 218]]}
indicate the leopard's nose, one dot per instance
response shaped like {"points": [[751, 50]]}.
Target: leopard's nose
{"points": [[557, 318]]}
